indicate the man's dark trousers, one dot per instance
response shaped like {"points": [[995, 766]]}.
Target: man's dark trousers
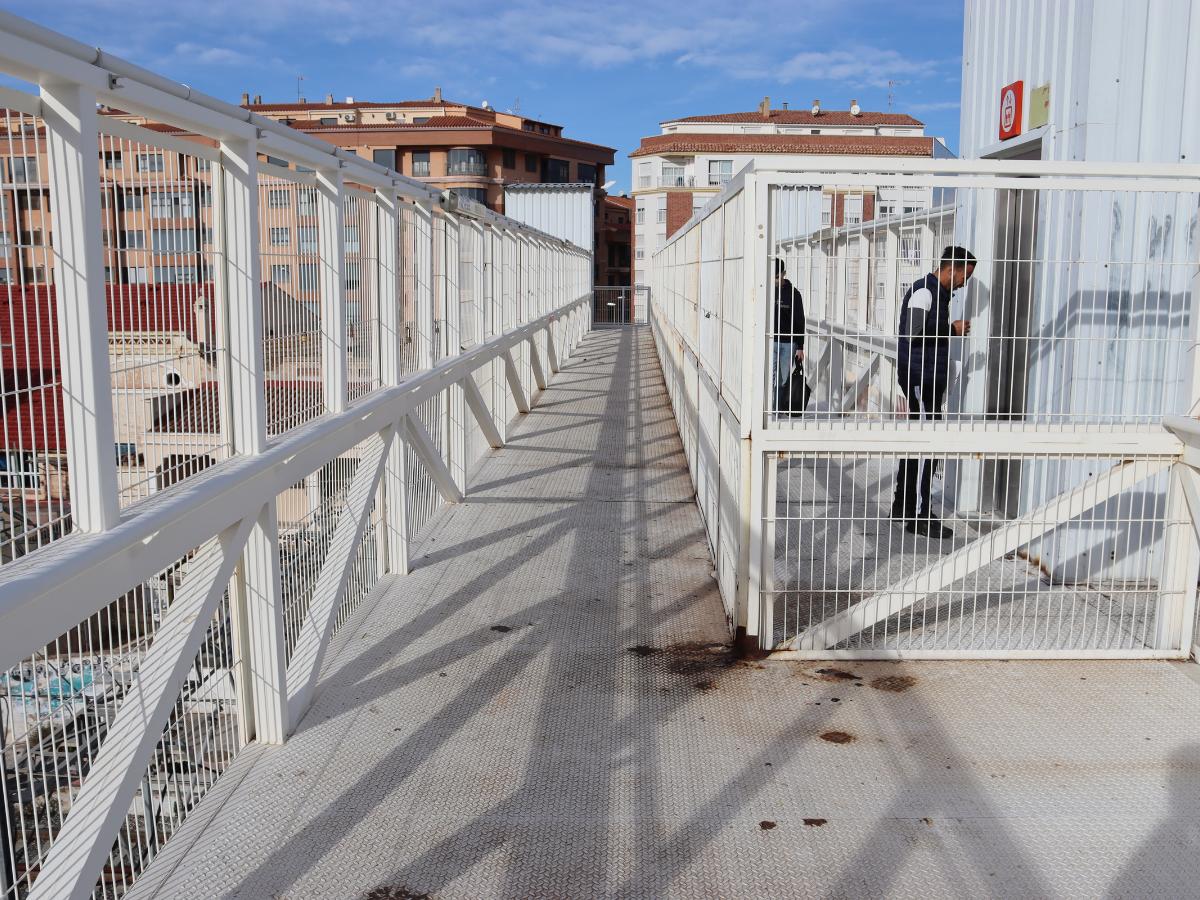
{"points": [[924, 396]]}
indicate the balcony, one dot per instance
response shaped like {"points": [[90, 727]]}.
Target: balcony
{"points": [[470, 169], [474, 567], [673, 181]]}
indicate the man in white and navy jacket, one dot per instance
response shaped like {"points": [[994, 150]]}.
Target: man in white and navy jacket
{"points": [[923, 369]]}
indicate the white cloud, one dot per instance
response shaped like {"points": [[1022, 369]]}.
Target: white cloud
{"points": [[859, 65], [932, 106]]}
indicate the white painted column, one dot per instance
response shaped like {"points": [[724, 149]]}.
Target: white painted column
{"points": [[72, 137], [331, 214], [258, 596], [394, 542]]}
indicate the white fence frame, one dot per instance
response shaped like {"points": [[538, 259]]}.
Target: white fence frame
{"points": [[229, 509], [746, 506]]}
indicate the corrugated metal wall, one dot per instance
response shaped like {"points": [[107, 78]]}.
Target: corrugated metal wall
{"points": [[566, 211], [1124, 76]]}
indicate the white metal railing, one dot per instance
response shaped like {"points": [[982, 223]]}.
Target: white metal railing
{"points": [[296, 361], [1033, 504]]}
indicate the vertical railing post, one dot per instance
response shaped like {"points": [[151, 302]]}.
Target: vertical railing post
{"points": [[257, 597], [331, 215], [391, 372], [423, 219], [451, 281], [72, 137], [755, 252]]}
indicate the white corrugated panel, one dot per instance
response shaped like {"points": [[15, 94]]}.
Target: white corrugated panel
{"points": [[567, 211], [1124, 76]]}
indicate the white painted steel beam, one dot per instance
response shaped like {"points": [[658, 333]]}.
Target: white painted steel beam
{"points": [[87, 409], [313, 640], [551, 350], [77, 856], [514, 382], [983, 550], [427, 452], [331, 213], [483, 415], [535, 362]]}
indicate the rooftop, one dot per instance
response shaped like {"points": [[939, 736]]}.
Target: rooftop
{"points": [[865, 118], [819, 144]]}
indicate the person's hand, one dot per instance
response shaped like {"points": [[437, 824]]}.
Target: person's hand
{"points": [[962, 327], [800, 356]]}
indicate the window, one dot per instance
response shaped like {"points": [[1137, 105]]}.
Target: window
{"points": [[18, 471], [23, 169], [353, 276], [276, 161], [886, 209], [556, 171], [826, 210], [306, 201], [127, 455], [909, 210], [203, 165], [306, 238], [672, 176], [133, 274], [645, 174], [466, 161], [353, 242], [279, 198], [310, 276], [281, 237], [133, 240], [479, 195], [720, 171], [112, 161], [174, 240], [133, 200], [150, 162], [327, 120], [587, 173], [5, 276], [641, 214], [385, 157], [853, 210], [641, 254], [509, 158], [420, 120], [420, 163], [175, 274], [662, 211], [281, 274], [30, 237], [910, 248], [27, 200], [34, 274], [531, 162], [170, 205]]}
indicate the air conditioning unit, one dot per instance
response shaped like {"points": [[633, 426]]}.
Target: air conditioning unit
{"points": [[348, 117], [391, 117]]}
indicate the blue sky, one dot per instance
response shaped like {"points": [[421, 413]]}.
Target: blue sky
{"points": [[609, 72]]}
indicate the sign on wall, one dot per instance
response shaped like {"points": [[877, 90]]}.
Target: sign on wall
{"points": [[1039, 106], [1010, 110]]}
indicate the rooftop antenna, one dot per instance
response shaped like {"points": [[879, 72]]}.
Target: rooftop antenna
{"points": [[892, 94], [516, 107], [299, 93]]}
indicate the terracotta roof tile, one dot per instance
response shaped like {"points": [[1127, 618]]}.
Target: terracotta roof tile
{"points": [[816, 144], [805, 117]]}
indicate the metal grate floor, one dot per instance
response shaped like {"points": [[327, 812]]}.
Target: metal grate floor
{"points": [[547, 707]]}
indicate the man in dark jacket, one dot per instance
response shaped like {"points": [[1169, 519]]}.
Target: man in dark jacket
{"points": [[923, 368], [788, 345]]}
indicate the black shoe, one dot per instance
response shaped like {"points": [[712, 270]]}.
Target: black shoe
{"points": [[930, 528]]}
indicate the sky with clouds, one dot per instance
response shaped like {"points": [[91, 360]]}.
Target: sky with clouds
{"points": [[608, 72]]}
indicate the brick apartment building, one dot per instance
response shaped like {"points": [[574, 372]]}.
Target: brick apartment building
{"points": [[675, 173], [474, 150], [617, 213]]}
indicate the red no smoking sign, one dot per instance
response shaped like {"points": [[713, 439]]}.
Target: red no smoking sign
{"points": [[1010, 110]]}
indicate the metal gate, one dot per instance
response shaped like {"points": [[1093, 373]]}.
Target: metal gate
{"points": [[620, 305], [1012, 491]]}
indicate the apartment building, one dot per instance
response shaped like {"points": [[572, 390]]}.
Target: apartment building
{"points": [[675, 173], [474, 150], [617, 215]]}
